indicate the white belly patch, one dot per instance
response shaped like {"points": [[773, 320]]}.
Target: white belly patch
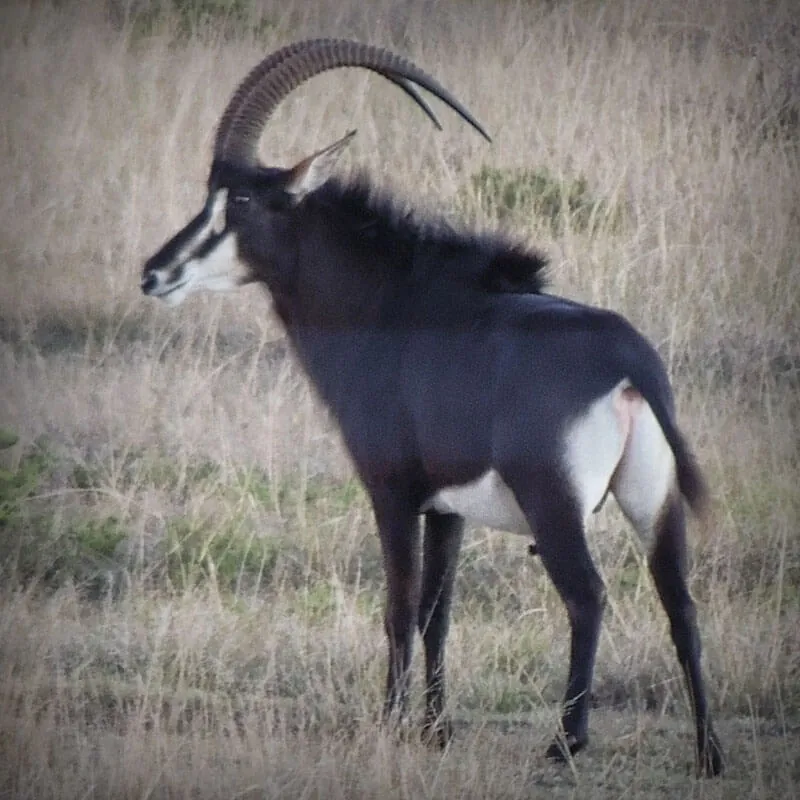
{"points": [[485, 501]]}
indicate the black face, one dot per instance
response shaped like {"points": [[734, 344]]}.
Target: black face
{"points": [[259, 210], [248, 230], [232, 241], [263, 188]]}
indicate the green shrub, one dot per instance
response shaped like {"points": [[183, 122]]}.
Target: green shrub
{"points": [[51, 534], [7, 439], [38, 544], [519, 194], [18, 485], [138, 468], [86, 553], [316, 602], [200, 551], [166, 473]]}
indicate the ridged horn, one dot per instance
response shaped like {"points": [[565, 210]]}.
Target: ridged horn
{"points": [[280, 73]]}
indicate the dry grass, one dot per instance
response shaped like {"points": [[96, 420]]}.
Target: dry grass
{"points": [[191, 589]]}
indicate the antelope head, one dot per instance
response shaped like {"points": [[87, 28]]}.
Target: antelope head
{"points": [[248, 212]]}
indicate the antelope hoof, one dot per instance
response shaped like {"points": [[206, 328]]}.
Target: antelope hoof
{"points": [[711, 761], [564, 747]]}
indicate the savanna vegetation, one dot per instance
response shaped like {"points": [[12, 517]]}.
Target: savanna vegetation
{"points": [[190, 585]]}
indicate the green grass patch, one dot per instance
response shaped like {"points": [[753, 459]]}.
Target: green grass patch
{"points": [[226, 553], [18, 485], [86, 553], [316, 602], [7, 438], [518, 195], [38, 544]]}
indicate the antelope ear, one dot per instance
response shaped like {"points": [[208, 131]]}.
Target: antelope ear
{"points": [[310, 173]]}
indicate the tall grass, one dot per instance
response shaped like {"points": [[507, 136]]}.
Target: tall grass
{"points": [[191, 587]]}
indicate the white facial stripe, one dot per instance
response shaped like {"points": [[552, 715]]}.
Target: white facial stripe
{"points": [[485, 501], [215, 224], [218, 211]]}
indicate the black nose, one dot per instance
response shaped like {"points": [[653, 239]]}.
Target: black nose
{"points": [[149, 282]]}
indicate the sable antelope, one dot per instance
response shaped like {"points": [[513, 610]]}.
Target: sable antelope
{"points": [[461, 388]]}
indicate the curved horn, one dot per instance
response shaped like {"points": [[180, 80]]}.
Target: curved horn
{"points": [[258, 73], [280, 73]]}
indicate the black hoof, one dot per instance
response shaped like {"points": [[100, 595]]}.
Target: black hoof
{"points": [[564, 747], [711, 761]]}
